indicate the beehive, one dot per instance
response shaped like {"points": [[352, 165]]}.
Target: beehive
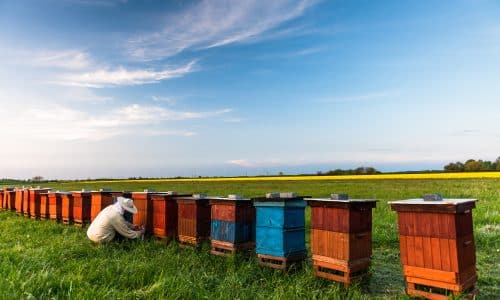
{"points": [[193, 220], [232, 225], [44, 206], [280, 232], [101, 199], [26, 203], [341, 237], [164, 207], [144, 215], [437, 246], [55, 206], [82, 201], [67, 204], [19, 196], [34, 201], [1, 198]]}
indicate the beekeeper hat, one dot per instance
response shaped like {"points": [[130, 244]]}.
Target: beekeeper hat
{"points": [[127, 204]]}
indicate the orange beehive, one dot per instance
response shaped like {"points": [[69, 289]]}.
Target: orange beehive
{"points": [[26, 203], [144, 215], [34, 201], [82, 201], [341, 231], [1, 199], [44, 206], [437, 246], [101, 199], [9, 201], [67, 207], [19, 200], [193, 221], [164, 207], [55, 206]]}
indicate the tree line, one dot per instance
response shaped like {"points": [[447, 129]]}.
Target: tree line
{"points": [[472, 165], [356, 171]]}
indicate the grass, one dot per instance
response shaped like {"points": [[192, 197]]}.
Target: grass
{"points": [[42, 259]]}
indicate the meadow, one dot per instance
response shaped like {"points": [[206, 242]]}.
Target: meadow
{"points": [[43, 259]]}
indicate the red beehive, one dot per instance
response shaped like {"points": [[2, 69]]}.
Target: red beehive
{"points": [[44, 206], [55, 206], [26, 203], [437, 246], [66, 207], [34, 201], [164, 210], [9, 198], [341, 237], [232, 225], [193, 222], [82, 202], [19, 196], [144, 215], [101, 199]]}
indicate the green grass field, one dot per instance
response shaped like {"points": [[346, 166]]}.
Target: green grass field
{"points": [[42, 259]]}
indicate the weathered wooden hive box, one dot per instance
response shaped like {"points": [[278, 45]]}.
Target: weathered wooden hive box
{"points": [[280, 232], [44, 206], [82, 201], [101, 199], [193, 219], [232, 225], [55, 206], [67, 204], [34, 201], [18, 200], [341, 237], [165, 214], [144, 215], [437, 246]]}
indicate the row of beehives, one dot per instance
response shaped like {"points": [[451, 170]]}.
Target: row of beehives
{"points": [[436, 238]]}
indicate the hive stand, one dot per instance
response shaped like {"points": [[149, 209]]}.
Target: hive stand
{"points": [[280, 232], [437, 247], [232, 226], [55, 206], [34, 201], [341, 231], [82, 201], [193, 220], [165, 213]]}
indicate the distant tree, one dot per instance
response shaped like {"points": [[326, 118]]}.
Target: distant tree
{"points": [[280, 173], [37, 178], [472, 166]]}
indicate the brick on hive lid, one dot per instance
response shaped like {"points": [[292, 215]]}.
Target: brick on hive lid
{"points": [[172, 193], [433, 197], [339, 196], [105, 190], [272, 195], [288, 195], [199, 196], [235, 197]]}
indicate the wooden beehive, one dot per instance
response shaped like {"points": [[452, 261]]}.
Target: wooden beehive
{"points": [[280, 232], [34, 201], [437, 246], [101, 199], [164, 211], [44, 206], [26, 203], [232, 225], [193, 221], [19, 196], [55, 206], [1, 198], [144, 215], [341, 237], [82, 201], [67, 204]]}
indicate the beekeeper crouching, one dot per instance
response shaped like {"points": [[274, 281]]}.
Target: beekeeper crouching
{"points": [[112, 221]]}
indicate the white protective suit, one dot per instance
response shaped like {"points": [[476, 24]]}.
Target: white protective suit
{"points": [[109, 221]]}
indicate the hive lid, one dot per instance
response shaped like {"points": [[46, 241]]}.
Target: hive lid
{"points": [[420, 201], [199, 196], [61, 192], [231, 197], [172, 193]]}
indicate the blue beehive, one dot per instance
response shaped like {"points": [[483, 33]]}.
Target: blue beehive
{"points": [[280, 232]]}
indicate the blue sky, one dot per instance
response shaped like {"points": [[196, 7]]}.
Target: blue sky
{"points": [[116, 88]]}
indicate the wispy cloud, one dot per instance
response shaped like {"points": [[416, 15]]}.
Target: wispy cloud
{"points": [[164, 99], [115, 77], [214, 23], [241, 162]]}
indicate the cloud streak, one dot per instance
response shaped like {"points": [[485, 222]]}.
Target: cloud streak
{"points": [[215, 23]]}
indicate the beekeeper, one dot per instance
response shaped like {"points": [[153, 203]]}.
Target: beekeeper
{"points": [[112, 220]]}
